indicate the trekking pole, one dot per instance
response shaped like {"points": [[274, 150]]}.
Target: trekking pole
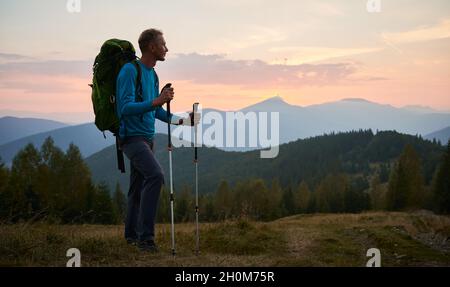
{"points": [[169, 148], [195, 109]]}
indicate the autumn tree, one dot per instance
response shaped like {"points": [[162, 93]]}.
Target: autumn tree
{"points": [[302, 197], [119, 204], [405, 190], [441, 184], [223, 201]]}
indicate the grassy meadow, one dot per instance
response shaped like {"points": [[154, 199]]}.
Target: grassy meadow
{"points": [[404, 239]]}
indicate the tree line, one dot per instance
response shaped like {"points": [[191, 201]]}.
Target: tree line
{"points": [[56, 186], [399, 186]]}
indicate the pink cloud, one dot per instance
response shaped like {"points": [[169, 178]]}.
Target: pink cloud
{"points": [[215, 69]]}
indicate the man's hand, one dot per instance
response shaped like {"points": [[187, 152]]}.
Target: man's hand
{"points": [[187, 121], [165, 96]]}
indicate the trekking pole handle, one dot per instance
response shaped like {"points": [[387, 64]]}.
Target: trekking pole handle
{"points": [[194, 110], [168, 118], [168, 125]]}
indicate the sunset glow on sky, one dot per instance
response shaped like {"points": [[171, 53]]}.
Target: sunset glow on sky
{"points": [[231, 54]]}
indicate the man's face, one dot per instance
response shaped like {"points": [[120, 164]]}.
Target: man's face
{"points": [[159, 48]]}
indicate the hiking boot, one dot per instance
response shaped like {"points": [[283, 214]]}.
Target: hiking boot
{"points": [[132, 241], [147, 246]]}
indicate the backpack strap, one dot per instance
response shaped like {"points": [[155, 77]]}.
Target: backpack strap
{"points": [[120, 160], [138, 95], [138, 98], [156, 81]]}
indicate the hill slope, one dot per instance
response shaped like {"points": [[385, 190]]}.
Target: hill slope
{"points": [[86, 136], [309, 159], [442, 135]]}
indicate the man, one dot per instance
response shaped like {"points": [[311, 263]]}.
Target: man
{"points": [[137, 128]]}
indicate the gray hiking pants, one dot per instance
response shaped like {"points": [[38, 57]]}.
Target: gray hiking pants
{"points": [[146, 179]]}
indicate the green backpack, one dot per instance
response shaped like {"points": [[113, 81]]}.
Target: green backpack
{"points": [[114, 53]]}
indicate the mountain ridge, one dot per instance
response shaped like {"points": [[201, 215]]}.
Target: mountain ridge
{"points": [[295, 122], [13, 128]]}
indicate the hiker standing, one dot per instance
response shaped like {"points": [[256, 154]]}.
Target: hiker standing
{"points": [[137, 128]]}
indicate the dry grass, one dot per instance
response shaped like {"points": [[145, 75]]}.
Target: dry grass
{"points": [[405, 239]]}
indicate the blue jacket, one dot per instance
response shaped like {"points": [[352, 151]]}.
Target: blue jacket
{"points": [[138, 118]]}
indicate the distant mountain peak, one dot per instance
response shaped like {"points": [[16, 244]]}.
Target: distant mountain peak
{"points": [[273, 102], [275, 99]]}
